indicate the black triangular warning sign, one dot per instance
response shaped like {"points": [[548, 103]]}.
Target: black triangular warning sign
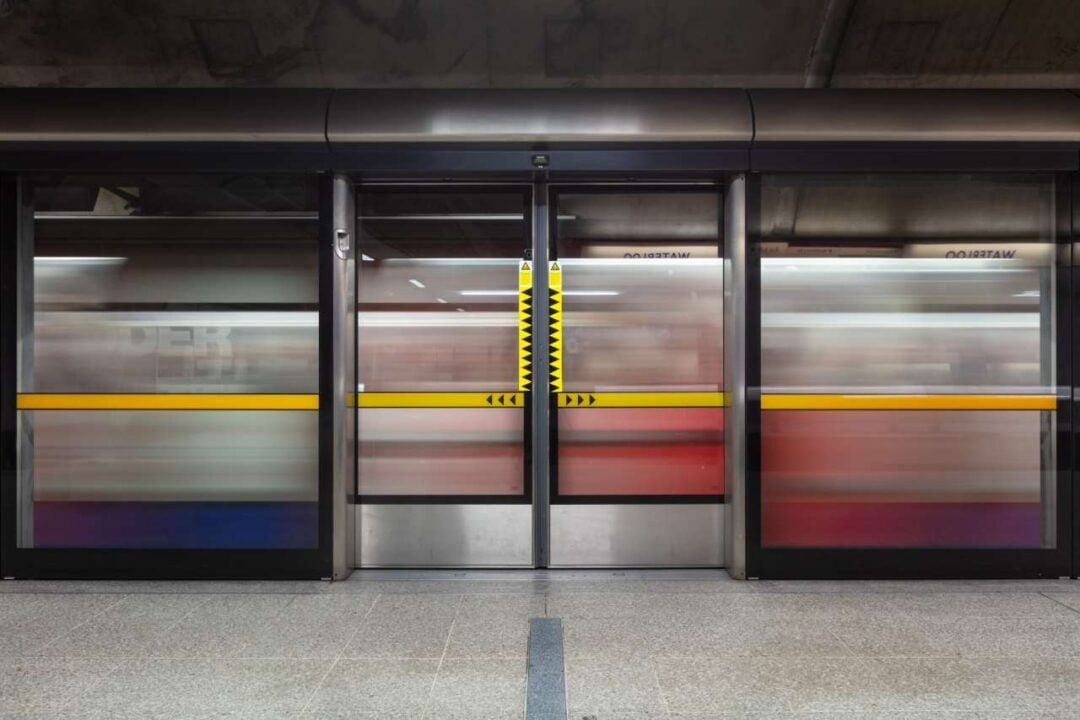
{"points": [[554, 267]]}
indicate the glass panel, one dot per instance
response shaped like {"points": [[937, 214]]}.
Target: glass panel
{"points": [[902, 479], [163, 285], [642, 291], [933, 286], [642, 312], [438, 289], [439, 451], [159, 479], [641, 451]]}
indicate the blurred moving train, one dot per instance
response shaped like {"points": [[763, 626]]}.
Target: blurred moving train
{"points": [[865, 288]]}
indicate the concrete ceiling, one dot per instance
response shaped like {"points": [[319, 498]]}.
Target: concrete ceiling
{"points": [[540, 43]]}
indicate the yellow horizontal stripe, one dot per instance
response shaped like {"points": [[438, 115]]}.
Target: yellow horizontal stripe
{"points": [[441, 399], [641, 399], [149, 401], [908, 402]]}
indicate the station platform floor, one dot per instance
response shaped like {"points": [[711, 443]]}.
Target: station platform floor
{"points": [[635, 646]]}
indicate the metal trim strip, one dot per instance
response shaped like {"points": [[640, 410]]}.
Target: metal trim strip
{"points": [[907, 402]]}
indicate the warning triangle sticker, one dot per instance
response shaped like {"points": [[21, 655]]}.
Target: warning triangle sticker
{"points": [[554, 267], [525, 265]]}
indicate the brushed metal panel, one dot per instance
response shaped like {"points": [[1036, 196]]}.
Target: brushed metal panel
{"points": [[164, 115], [702, 115], [637, 535], [343, 352], [735, 377], [1049, 116], [444, 535]]}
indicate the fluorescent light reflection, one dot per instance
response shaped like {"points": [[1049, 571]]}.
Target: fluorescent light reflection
{"points": [[78, 260]]}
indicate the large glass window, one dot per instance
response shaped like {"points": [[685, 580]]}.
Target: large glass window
{"points": [[908, 349], [168, 371]]}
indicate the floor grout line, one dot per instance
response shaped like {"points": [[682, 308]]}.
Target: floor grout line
{"points": [[76, 626], [659, 687], [344, 648], [1053, 599], [446, 649]]}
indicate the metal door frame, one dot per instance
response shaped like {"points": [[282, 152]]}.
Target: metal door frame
{"points": [[539, 445]]}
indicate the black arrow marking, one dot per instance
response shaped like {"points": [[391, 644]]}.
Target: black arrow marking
{"points": [[488, 399], [592, 399]]}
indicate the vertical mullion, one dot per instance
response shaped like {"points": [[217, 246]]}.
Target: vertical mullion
{"points": [[733, 233], [9, 230], [326, 447], [752, 355], [1068, 214], [541, 418], [343, 371]]}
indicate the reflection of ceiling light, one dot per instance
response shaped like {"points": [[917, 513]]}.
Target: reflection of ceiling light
{"points": [[590, 293], [417, 283], [440, 300], [488, 292], [451, 217], [461, 309], [1027, 293], [45, 260], [368, 258]]}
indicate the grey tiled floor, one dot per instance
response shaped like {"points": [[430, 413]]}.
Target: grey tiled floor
{"points": [[638, 645]]}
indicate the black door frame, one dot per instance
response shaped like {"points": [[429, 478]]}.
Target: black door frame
{"points": [[138, 564]]}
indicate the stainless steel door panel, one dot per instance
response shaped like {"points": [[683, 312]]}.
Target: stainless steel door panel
{"points": [[445, 535], [637, 535]]}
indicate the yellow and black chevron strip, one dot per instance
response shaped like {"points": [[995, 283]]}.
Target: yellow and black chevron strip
{"points": [[525, 318], [555, 337]]}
